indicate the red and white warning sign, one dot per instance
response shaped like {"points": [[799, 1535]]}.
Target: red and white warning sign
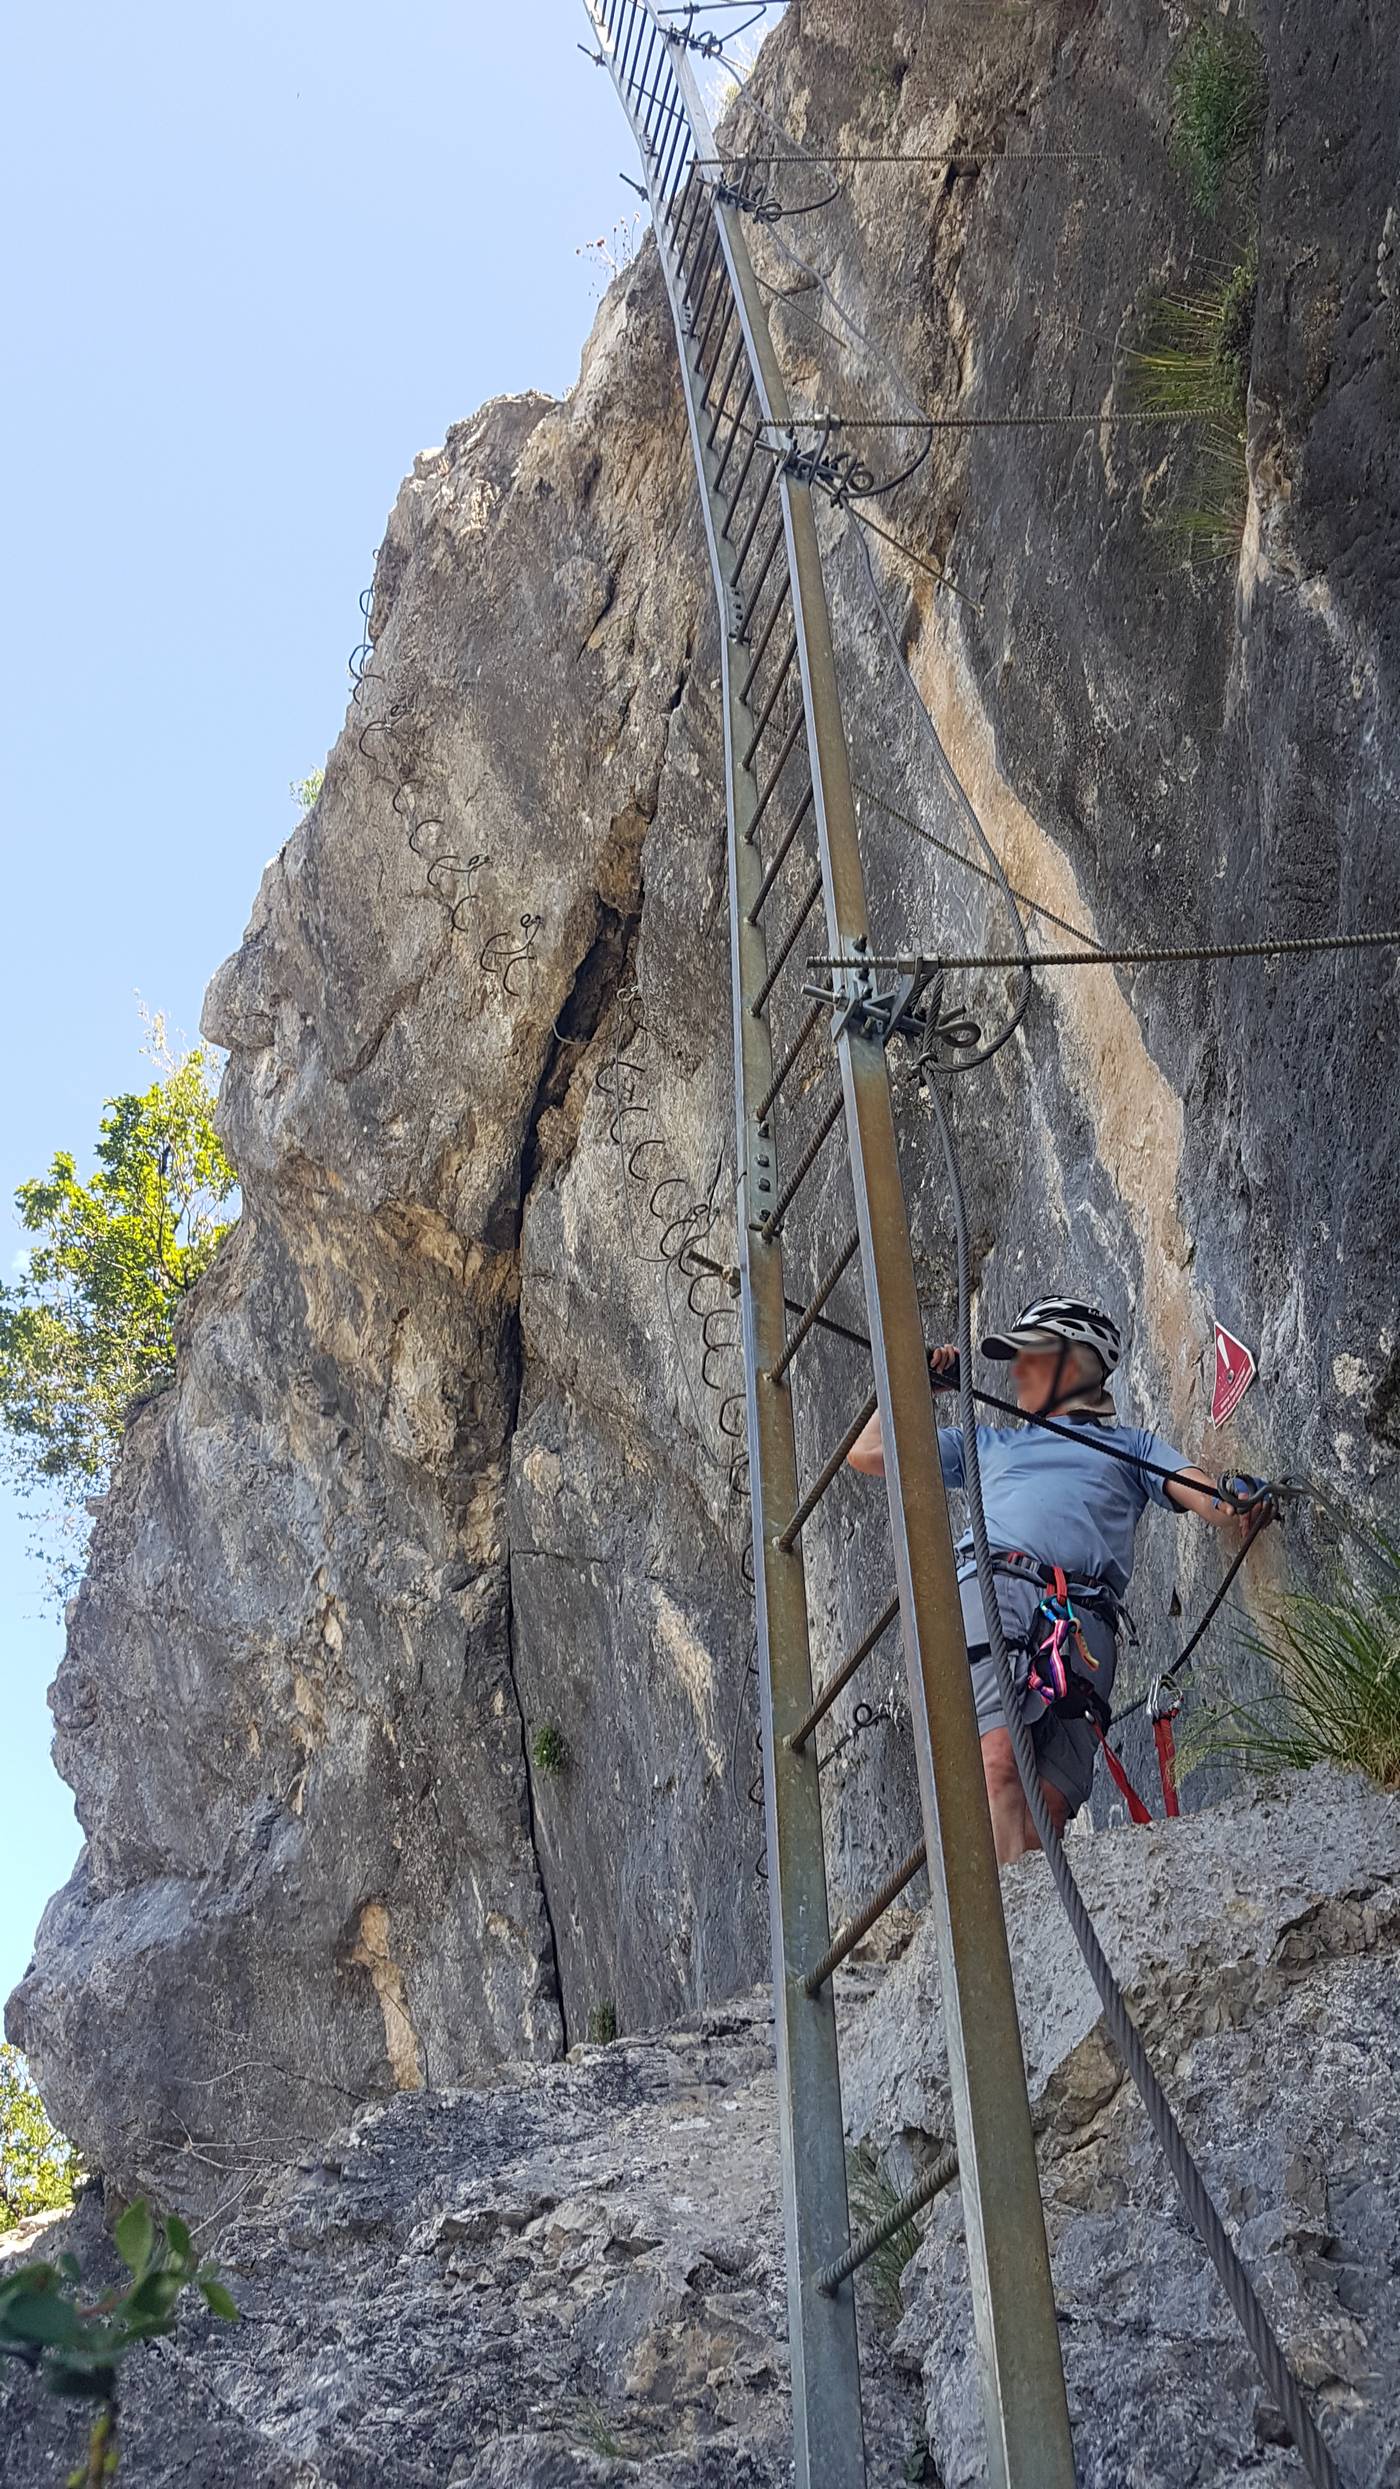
{"points": [[1234, 1372]]}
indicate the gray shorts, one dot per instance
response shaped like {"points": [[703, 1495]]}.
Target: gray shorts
{"points": [[1065, 1750]]}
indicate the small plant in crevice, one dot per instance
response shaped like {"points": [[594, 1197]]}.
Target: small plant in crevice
{"points": [[609, 253], [596, 2432], [1219, 97], [1335, 1697], [549, 1750], [602, 2025], [871, 2198]]}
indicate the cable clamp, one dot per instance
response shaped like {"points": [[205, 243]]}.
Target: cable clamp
{"points": [[896, 1008], [756, 202], [839, 473], [863, 1005], [709, 46]]}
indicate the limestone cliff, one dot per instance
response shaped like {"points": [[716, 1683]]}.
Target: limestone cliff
{"points": [[444, 1463]]}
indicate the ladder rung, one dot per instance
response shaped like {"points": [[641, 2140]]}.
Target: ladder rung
{"points": [[737, 495], [841, 1678], [786, 947], [631, 44], [725, 386], [753, 914], [636, 84], [770, 790], [770, 1224], [830, 1470], [735, 421], [723, 293], [770, 703], [761, 651], [687, 214], [697, 284], [849, 1936], [812, 1312], [940, 2176], [760, 505], [794, 1050], [708, 265], [673, 162], [765, 566]]}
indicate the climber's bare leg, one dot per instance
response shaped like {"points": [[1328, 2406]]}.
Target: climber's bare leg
{"points": [[1012, 1828]]}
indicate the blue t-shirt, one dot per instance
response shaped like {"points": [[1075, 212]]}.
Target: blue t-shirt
{"points": [[1060, 1500]]}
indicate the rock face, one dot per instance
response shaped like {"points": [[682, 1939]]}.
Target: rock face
{"points": [[1258, 1955], [447, 1462], [574, 2274]]}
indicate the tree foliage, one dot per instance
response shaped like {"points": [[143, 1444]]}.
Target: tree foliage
{"points": [[306, 791], [37, 2168], [88, 1325]]}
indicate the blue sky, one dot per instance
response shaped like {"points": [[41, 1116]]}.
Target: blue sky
{"points": [[267, 255]]}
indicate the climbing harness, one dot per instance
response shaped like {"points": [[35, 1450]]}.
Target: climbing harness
{"points": [[1055, 1639]]}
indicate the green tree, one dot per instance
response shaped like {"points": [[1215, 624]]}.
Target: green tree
{"points": [[37, 2168], [88, 1325]]}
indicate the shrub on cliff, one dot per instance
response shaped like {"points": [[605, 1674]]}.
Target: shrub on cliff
{"points": [[88, 1324]]}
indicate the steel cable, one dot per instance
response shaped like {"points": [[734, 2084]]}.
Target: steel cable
{"points": [[1281, 946], [1239, 2289]]}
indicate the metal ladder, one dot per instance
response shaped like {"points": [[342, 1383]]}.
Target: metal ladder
{"points": [[789, 806]]}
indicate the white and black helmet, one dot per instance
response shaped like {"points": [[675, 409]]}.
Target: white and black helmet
{"points": [[1056, 1322]]}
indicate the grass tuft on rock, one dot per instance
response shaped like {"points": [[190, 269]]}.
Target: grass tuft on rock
{"points": [[602, 2025], [1336, 1662], [1194, 351], [1193, 358], [596, 2432], [871, 2198], [1220, 95]]}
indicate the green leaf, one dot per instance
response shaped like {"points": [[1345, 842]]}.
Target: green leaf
{"points": [[218, 2300], [26, 2278], [135, 2237], [150, 2302], [42, 2316], [177, 2232]]}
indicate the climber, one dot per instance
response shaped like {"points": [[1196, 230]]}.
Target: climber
{"points": [[1061, 1518]]}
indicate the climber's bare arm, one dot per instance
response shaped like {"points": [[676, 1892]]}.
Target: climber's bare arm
{"points": [[1198, 1493], [868, 1451]]}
